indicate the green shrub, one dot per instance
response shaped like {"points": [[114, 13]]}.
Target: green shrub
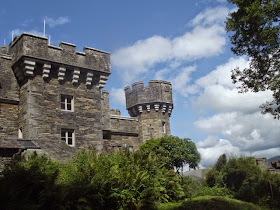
{"points": [[213, 191], [217, 203]]}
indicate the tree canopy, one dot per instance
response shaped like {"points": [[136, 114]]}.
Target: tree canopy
{"points": [[256, 29], [173, 151]]}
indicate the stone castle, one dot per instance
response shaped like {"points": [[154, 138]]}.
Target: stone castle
{"points": [[51, 101]]}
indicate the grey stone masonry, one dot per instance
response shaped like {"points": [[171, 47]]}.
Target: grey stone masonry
{"points": [[30, 51], [152, 105], [157, 96], [51, 101]]}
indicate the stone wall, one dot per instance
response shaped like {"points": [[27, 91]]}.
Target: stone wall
{"points": [[9, 97], [152, 105], [41, 116], [157, 92], [9, 89], [8, 120], [36, 47], [152, 125]]}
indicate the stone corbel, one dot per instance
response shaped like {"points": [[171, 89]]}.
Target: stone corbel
{"points": [[28, 67], [169, 109], [156, 107], [102, 81], [140, 109], [46, 70], [61, 73], [89, 79], [148, 108], [76, 76], [163, 108]]}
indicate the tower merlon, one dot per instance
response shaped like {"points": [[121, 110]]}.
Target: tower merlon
{"points": [[36, 47], [157, 95]]}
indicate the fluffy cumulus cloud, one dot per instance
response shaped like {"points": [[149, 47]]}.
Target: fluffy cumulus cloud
{"points": [[237, 117], [249, 132], [53, 22], [206, 39], [117, 96], [211, 16], [215, 147]]}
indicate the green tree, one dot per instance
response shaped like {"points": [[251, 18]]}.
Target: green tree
{"points": [[222, 160], [246, 181], [173, 151], [255, 27]]}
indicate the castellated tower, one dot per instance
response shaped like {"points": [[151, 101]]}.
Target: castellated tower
{"points": [[58, 93], [152, 105]]}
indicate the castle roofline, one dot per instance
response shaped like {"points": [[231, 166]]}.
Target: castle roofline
{"points": [[36, 49], [17, 38]]}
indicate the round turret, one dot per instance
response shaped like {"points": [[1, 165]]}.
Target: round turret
{"points": [[156, 96], [152, 105]]}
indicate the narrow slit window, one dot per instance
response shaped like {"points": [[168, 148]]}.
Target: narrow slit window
{"points": [[163, 127], [20, 135]]}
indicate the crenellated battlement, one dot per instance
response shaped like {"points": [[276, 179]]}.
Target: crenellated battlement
{"points": [[30, 51], [157, 96]]}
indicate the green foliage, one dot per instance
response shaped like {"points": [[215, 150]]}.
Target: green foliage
{"points": [[256, 34], [190, 186], [106, 181], [213, 191], [246, 181], [30, 185], [217, 203], [222, 160], [239, 171], [173, 151]]}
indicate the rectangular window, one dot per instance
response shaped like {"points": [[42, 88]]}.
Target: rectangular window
{"points": [[67, 103], [68, 136], [163, 127]]}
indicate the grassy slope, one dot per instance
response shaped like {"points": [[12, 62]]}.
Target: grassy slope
{"points": [[210, 202]]}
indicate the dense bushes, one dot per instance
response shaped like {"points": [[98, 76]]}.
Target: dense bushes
{"points": [[124, 180], [108, 181], [246, 181]]}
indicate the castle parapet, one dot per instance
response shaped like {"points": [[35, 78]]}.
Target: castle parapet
{"points": [[29, 50], [157, 96]]}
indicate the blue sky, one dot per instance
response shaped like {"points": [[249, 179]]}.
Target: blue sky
{"points": [[180, 41]]}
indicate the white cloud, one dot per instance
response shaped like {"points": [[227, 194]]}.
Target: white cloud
{"points": [[56, 22], [249, 132], [209, 155], [212, 148], [208, 142], [219, 98], [180, 81], [268, 153], [161, 74], [218, 93], [117, 96], [143, 55], [211, 16], [222, 74], [236, 116], [200, 42], [33, 31]]}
